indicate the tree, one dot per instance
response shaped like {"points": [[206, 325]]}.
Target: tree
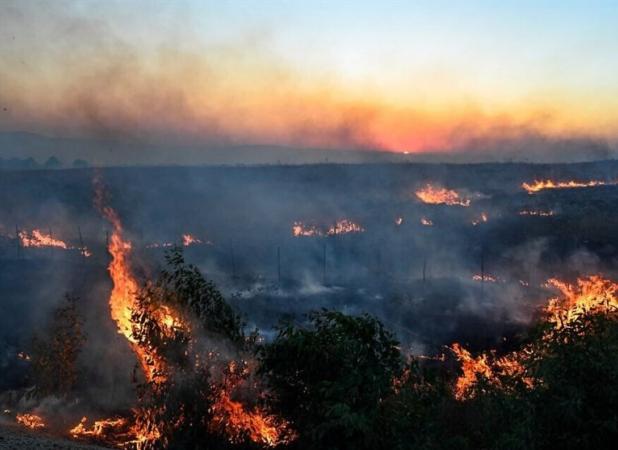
{"points": [[54, 352], [577, 403], [177, 407], [328, 379]]}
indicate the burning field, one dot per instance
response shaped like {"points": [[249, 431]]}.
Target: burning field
{"points": [[379, 320]]}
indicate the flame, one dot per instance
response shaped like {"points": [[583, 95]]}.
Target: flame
{"points": [[31, 421], [123, 300], [539, 185], [471, 369], [589, 294], [344, 226], [100, 428], [486, 366], [536, 213], [300, 229], [441, 196], [37, 238], [426, 222], [229, 415], [188, 240], [238, 423]]}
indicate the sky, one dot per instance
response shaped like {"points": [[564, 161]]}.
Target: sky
{"points": [[404, 76]]}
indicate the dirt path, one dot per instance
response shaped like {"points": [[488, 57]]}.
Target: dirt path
{"points": [[13, 437]]}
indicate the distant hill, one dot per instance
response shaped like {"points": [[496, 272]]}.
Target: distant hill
{"points": [[34, 149]]}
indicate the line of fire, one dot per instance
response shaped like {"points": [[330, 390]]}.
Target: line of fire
{"points": [[323, 307]]}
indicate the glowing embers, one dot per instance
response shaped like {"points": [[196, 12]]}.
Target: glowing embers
{"points": [[189, 240], [441, 196], [485, 277], [540, 185], [483, 218], [343, 226], [186, 240], [593, 294], [538, 213], [426, 222], [32, 421], [299, 229]]}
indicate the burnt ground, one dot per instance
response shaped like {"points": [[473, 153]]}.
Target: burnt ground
{"points": [[14, 437]]}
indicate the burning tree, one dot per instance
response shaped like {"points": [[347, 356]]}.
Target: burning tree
{"points": [[55, 352], [198, 357]]}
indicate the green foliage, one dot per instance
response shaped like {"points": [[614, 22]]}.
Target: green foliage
{"points": [[177, 405], [183, 285], [55, 351], [330, 379], [576, 406]]}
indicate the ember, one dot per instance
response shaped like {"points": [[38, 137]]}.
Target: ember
{"points": [[300, 229], [485, 277], [188, 240], [344, 226], [426, 222], [536, 213], [481, 219]]}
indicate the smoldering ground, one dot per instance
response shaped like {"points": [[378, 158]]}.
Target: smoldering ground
{"points": [[418, 279]]}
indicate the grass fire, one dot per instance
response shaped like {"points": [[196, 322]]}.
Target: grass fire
{"points": [[250, 225]]}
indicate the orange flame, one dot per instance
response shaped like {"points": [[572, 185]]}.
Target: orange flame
{"points": [[540, 185], [238, 423], [471, 369], [488, 367], [188, 240], [37, 238], [299, 229], [590, 294], [441, 196], [31, 421], [344, 226]]}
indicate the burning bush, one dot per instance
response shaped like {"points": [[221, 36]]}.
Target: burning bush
{"points": [[197, 351]]}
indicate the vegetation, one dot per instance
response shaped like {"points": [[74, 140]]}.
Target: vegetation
{"points": [[55, 351], [332, 381], [341, 382]]}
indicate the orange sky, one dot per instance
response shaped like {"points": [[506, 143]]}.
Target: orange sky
{"points": [[117, 74]]}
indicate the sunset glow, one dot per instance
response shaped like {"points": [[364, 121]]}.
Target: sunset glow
{"points": [[240, 73]]}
